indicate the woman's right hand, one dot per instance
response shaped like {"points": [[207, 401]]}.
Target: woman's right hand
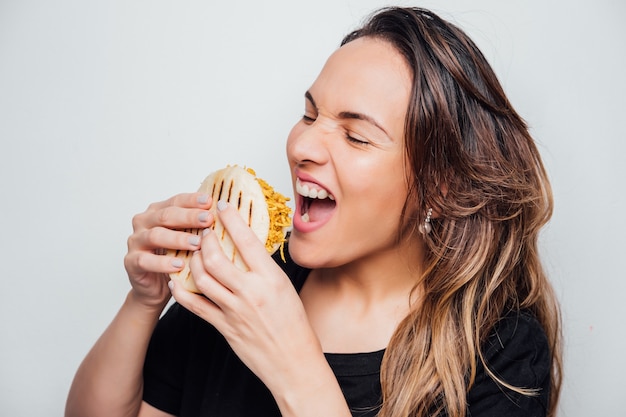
{"points": [[109, 380], [161, 227]]}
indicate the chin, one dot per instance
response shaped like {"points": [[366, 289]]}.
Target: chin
{"points": [[298, 251], [306, 254]]}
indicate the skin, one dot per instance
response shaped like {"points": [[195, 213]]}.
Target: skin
{"points": [[361, 162], [351, 302]]}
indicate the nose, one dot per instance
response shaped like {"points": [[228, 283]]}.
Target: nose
{"points": [[307, 143]]}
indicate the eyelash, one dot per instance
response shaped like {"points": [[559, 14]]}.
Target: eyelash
{"points": [[308, 120], [356, 141]]}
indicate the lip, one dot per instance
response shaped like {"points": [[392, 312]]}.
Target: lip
{"points": [[306, 178], [303, 176], [298, 224]]}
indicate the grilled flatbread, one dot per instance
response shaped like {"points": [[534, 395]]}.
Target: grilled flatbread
{"points": [[263, 209]]}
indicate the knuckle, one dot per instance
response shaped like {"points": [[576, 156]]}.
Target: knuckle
{"points": [[257, 301], [151, 236], [130, 242], [213, 257], [209, 258], [133, 262], [127, 261], [249, 239], [201, 283], [164, 215], [141, 262], [137, 221], [151, 206]]}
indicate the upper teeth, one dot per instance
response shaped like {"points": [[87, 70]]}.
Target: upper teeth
{"points": [[310, 192]]}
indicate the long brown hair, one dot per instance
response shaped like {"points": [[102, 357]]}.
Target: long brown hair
{"points": [[474, 163]]}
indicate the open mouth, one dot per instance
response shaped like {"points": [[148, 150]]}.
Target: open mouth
{"points": [[316, 203]]}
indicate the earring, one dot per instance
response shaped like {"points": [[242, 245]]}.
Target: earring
{"points": [[426, 227]]}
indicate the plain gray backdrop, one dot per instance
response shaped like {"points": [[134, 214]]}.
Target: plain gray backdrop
{"points": [[106, 106]]}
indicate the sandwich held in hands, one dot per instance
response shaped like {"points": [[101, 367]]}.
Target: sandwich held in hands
{"points": [[263, 209]]}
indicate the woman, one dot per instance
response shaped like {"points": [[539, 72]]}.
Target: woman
{"points": [[416, 290]]}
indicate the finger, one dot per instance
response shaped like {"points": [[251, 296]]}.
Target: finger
{"points": [[199, 305], [214, 262], [178, 212], [187, 200], [159, 238], [252, 250], [139, 262]]}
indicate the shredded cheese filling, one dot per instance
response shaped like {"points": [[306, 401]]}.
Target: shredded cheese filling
{"points": [[279, 213]]}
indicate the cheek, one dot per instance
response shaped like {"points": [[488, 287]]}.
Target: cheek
{"points": [[378, 183], [395, 190], [391, 199]]}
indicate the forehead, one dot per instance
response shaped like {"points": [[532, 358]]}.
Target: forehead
{"points": [[371, 60], [369, 76]]}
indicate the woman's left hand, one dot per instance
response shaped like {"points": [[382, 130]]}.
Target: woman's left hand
{"points": [[258, 311]]}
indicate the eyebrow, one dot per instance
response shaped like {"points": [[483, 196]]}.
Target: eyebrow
{"points": [[351, 115]]}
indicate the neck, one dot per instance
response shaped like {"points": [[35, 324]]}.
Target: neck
{"points": [[357, 306], [392, 271]]}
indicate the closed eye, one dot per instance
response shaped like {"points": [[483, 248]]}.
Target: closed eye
{"points": [[356, 141]]}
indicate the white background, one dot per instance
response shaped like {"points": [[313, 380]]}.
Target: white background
{"points": [[106, 106]]}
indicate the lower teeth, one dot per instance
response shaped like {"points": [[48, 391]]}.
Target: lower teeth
{"points": [[305, 217]]}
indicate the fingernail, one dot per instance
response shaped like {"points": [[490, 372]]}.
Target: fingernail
{"points": [[206, 231], [202, 199], [170, 284], [203, 216], [177, 263], [221, 205], [194, 240]]}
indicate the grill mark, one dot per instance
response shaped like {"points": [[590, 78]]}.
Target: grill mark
{"points": [[219, 194], [239, 200], [185, 255], [250, 214], [185, 252], [230, 189]]}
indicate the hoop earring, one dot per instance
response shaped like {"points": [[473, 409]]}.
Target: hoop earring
{"points": [[425, 228]]}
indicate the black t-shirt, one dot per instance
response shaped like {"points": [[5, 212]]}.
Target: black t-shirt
{"points": [[191, 371]]}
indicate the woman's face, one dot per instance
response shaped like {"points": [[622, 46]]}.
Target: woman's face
{"points": [[347, 157]]}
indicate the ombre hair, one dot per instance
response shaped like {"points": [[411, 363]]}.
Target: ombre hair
{"points": [[473, 162]]}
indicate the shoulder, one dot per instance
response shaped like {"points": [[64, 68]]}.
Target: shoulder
{"points": [[517, 353], [517, 336]]}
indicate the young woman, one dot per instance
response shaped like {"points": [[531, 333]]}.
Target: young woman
{"points": [[416, 290]]}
